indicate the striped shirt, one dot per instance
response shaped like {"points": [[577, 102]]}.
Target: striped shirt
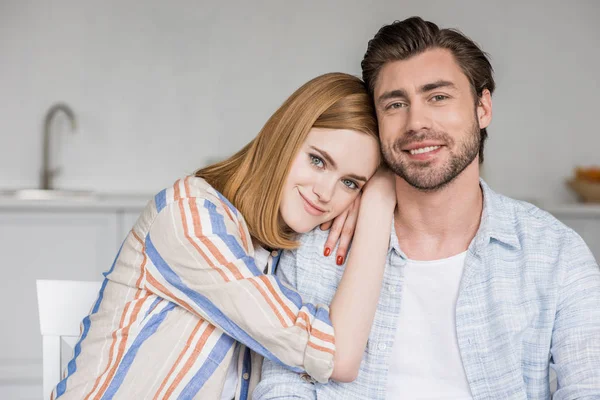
{"points": [[529, 301], [185, 294]]}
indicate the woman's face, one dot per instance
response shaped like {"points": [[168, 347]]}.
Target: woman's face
{"points": [[326, 175]]}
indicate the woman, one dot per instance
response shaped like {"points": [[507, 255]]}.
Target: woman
{"points": [[190, 293]]}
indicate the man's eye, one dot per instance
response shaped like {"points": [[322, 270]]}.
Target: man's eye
{"points": [[439, 97], [395, 106], [316, 161]]}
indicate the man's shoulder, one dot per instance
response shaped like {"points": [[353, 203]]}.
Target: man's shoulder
{"points": [[530, 222]]}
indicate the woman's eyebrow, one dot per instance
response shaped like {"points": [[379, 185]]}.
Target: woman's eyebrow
{"points": [[329, 159], [357, 177], [325, 155]]}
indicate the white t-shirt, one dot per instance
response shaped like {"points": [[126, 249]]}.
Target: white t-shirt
{"points": [[425, 362]]}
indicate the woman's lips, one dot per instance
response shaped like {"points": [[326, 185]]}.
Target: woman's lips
{"points": [[311, 208]]}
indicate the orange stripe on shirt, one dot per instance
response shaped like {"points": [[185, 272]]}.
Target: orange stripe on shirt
{"points": [[190, 362], [268, 300], [110, 352], [322, 335], [166, 293], [186, 185], [275, 294], [291, 315], [302, 316], [144, 260], [112, 348], [243, 235], [320, 348], [176, 191], [195, 245], [125, 334], [187, 345], [208, 243]]}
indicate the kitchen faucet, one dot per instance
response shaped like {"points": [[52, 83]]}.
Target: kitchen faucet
{"points": [[47, 173]]}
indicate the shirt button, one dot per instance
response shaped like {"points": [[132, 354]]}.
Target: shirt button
{"points": [[246, 376], [307, 378], [382, 346], [274, 253]]}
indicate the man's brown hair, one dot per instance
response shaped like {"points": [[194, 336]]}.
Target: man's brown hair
{"points": [[402, 40]]}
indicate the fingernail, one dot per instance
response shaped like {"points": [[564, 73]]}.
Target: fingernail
{"points": [[327, 251], [340, 260]]}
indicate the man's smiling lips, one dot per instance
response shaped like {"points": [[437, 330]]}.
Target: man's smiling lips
{"points": [[422, 150], [310, 207]]}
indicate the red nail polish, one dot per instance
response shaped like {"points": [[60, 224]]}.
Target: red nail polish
{"points": [[340, 260], [327, 251]]}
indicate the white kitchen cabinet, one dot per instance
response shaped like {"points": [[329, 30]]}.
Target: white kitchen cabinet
{"points": [[48, 241], [583, 219]]}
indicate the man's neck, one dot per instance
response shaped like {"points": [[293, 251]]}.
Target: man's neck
{"points": [[436, 225]]}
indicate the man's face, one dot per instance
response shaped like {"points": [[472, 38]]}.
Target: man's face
{"points": [[429, 121]]}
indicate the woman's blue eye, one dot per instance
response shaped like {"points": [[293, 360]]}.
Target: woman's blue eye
{"points": [[316, 161], [350, 183]]}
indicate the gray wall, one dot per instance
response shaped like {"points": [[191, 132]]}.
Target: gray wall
{"points": [[160, 88]]}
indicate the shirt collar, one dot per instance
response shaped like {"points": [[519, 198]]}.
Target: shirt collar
{"points": [[497, 222]]}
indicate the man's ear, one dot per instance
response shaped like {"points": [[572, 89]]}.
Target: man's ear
{"points": [[484, 109]]}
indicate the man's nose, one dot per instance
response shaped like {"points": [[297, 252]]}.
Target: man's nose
{"points": [[418, 118]]}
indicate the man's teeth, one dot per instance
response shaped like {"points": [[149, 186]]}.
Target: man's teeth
{"points": [[424, 150]]}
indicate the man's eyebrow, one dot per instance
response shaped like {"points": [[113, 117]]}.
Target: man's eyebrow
{"points": [[428, 87], [329, 159], [392, 94], [436, 85]]}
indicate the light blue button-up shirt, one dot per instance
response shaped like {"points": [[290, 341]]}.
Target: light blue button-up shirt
{"points": [[529, 301]]}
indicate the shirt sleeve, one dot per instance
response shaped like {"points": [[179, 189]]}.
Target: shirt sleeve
{"points": [[575, 344], [278, 383], [201, 258]]}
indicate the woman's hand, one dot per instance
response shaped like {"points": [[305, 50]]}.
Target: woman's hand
{"points": [[381, 188], [341, 227]]}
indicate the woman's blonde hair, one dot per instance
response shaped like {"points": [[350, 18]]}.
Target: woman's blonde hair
{"points": [[253, 178]]}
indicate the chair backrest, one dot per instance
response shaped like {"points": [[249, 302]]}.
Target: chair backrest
{"points": [[62, 305]]}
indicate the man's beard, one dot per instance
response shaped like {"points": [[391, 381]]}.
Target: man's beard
{"points": [[421, 175]]}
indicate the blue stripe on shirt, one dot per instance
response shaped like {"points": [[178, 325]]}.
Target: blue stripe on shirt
{"points": [[125, 363], [161, 200], [213, 360], [218, 227], [213, 313], [72, 366], [224, 200]]}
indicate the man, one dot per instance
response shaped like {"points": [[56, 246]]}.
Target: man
{"points": [[482, 294]]}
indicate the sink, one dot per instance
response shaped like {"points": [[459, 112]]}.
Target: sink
{"points": [[44, 194]]}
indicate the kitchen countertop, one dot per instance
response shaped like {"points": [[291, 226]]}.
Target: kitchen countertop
{"points": [[591, 210], [137, 201], [92, 202]]}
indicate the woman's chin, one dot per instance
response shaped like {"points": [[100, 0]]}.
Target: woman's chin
{"points": [[301, 227]]}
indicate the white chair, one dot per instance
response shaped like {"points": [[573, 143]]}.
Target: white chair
{"points": [[62, 305]]}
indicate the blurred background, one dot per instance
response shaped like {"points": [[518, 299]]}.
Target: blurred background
{"points": [[150, 91]]}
